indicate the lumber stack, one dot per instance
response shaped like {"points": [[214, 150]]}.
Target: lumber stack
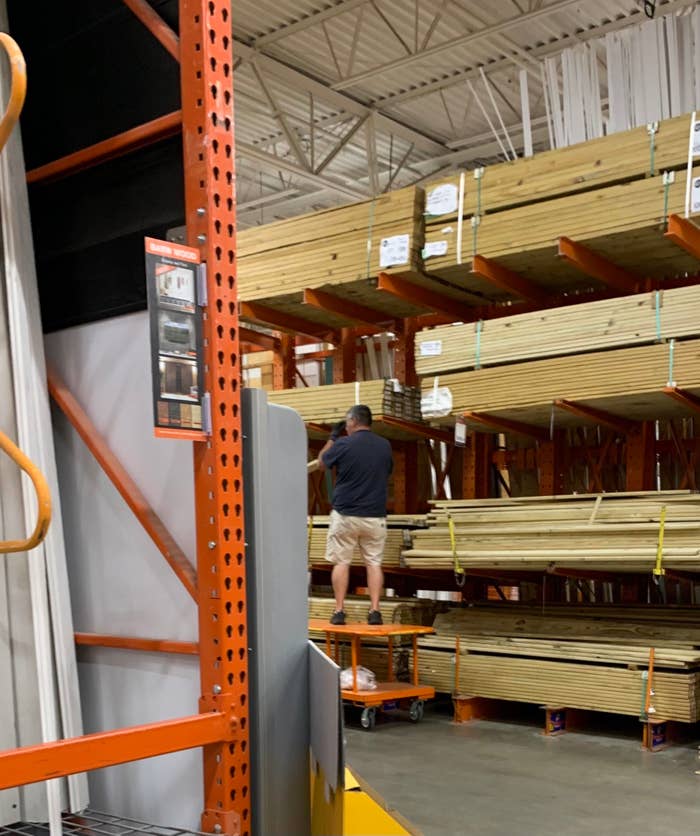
{"points": [[326, 404], [579, 328], [579, 657], [616, 533], [628, 382], [623, 223], [577, 168], [597, 192], [336, 249], [594, 687]]}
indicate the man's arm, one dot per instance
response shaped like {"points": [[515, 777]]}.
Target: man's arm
{"points": [[335, 434]]}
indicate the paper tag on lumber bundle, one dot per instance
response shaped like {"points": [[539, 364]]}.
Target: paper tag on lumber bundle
{"points": [[394, 250]]}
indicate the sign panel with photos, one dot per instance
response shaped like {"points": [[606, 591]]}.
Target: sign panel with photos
{"points": [[176, 338]]}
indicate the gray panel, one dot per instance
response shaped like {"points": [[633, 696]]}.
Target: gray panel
{"points": [[275, 509], [326, 711]]}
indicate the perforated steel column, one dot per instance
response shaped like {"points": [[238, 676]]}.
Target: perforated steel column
{"points": [[207, 108]]}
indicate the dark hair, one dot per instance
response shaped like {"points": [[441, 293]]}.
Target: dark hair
{"points": [[362, 414]]}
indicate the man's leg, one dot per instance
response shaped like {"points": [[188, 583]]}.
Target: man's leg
{"points": [[340, 578], [375, 583], [371, 542]]}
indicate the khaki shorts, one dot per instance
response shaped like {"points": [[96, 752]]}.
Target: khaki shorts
{"points": [[367, 535]]}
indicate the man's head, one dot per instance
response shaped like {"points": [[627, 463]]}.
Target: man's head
{"points": [[358, 417]]}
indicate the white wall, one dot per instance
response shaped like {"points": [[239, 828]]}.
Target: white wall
{"points": [[120, 583]]}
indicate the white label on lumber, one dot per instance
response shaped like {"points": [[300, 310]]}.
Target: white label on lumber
{"points": [[696, 138], [431, 348], [436, 403], [254, 374], [441, 200], [695, 196], [394, 250], [460, 434], [435, 248]]}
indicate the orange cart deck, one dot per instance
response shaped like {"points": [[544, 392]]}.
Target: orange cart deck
{"points": [[391, 691]]}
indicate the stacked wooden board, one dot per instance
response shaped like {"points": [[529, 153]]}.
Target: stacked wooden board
{"points": [[628, 382], [258, 369], [337, 249], [595, 687], [579, 328], [326, 404], [623, 223], [588, 657], [582, 167], [613, 532], [598, 193]]}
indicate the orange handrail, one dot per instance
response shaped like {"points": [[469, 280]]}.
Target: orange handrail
{"points": [[18, 89], [43, 496]]}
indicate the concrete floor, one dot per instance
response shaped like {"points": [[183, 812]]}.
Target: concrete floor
{"points": [[508, 779]]}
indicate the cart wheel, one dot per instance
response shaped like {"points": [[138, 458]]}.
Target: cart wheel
{"points": [[368, 718], [415, 712]]}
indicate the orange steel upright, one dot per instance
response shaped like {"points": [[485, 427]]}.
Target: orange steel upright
{"points": [[206, 70]]}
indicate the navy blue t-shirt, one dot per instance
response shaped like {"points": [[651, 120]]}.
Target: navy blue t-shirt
{"points": [[363, 463]]}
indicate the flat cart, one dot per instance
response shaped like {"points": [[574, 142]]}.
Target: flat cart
{"points": [[388, 695]]}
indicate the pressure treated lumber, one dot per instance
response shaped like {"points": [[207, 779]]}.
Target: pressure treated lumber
{"points": [[337, 250], [327, 404], [628, 382], [623, 223], [594, 687], [618, 534], [577, 168], [586, 327]]}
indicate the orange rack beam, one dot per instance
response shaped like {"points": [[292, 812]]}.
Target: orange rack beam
{"points": [[31, 764]]}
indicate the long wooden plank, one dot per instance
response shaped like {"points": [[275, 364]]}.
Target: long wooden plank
{"points": [[588, 327]]}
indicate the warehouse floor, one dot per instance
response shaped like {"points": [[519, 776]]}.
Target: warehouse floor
{"points": [[508, 779]]}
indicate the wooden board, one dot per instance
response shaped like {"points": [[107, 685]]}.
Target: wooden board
{"points": [[586, 327], [327, 404], [619, 534], [623, 223], [577, 168], [627, 382]]}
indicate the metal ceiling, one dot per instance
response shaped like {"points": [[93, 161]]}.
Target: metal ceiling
{"points": [[341, 99]]}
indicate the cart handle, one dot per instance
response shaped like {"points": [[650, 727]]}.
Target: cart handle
{"points": [[43, 496], [18, 89]]}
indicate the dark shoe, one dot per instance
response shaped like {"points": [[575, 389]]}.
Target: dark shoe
{"points": [[374, 617], [338, 617]]}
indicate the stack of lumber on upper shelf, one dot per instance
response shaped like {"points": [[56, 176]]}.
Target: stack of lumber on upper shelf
{"points": [[338, 249], [326, 404], [612, 532], [598, 193], [628, 382], [584, 327]]}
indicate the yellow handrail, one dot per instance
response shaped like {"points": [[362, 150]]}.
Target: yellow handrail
{"points": [[18, 89], [43, 496]]}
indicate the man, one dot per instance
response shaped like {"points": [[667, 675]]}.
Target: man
{"points": [[363, 463]]}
